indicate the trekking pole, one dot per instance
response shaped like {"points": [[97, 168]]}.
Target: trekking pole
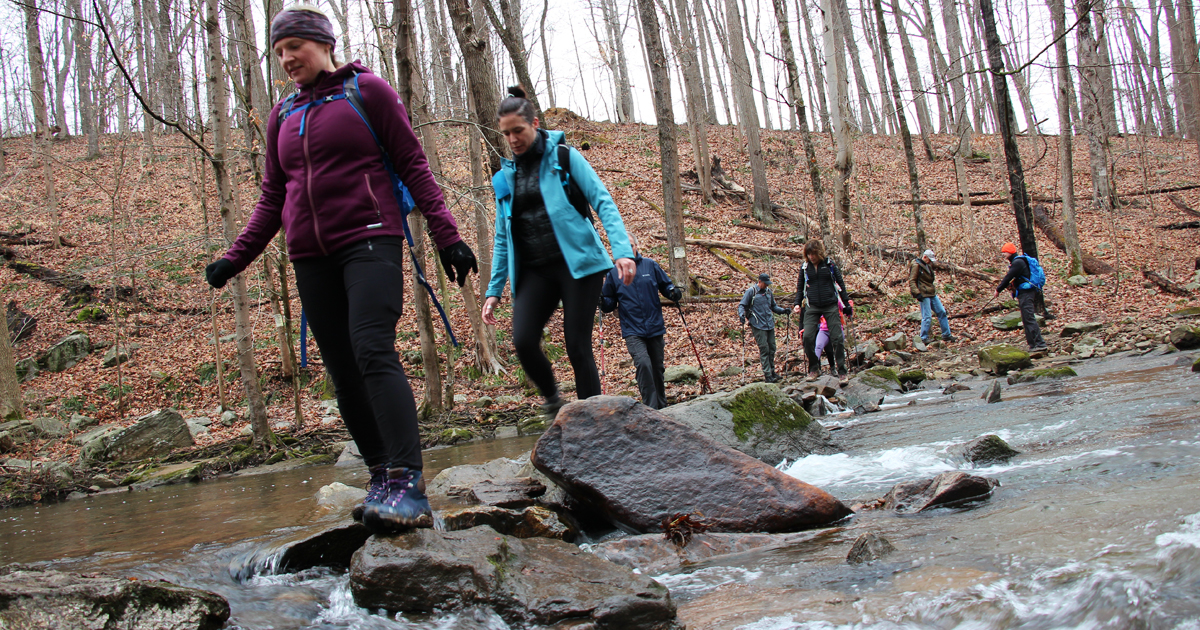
{"points": [[743, 352], [600, 328], [704, 386]]}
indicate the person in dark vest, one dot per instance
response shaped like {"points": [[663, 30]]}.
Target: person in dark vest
{"points": [[1027, 295], [759, 307], [642, 325], [549, 250], [922, 287], [818, 291], [326, 185]]}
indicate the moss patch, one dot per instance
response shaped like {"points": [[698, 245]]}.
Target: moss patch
{"points": [[881, 377], [1029, 376], [762, 407], [913, 376], [1003, 358]]}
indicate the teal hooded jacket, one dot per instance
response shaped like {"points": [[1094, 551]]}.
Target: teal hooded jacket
{"points": [[577, 237]]}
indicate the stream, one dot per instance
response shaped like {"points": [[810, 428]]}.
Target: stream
{"points": [[1095, 525]]}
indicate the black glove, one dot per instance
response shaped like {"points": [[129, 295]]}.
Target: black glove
{"points": [[457, 260], [219, 272], [848, 311], [676, 295]]}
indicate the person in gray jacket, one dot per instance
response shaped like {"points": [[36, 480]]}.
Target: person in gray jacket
{"points": [[758, 305]]}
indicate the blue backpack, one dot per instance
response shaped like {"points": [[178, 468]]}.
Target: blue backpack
{"points": [[352, 95], [1037, 276]]}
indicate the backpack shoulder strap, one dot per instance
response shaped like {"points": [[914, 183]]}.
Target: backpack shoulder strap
{"points": [[564, 162], [285, 107]]}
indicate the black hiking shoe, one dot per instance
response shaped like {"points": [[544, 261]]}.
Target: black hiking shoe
{"points": [[403, 505], [375, 491], [551, 406]]}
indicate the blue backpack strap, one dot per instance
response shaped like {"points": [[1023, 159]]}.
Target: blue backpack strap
{"points": [[404, 199]]}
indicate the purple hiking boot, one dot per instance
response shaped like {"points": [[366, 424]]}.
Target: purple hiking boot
{"points": [[403, 505], [375, 491]]}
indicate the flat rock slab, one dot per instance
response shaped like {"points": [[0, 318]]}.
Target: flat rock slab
{"points": [[758, 420], [945, 490], [638, 467], [531, 522], [534, 581], [653, 553], [457, 481], [516, 492], [35, 599]]}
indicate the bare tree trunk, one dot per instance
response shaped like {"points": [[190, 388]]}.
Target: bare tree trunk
{"points": [[730, 115], [41, 132], [962, 126], [762, 83], [869, 116], [905, 137], [546, 54], [481, 77], [704, 44], [511, 31], [218, 100], [1191, 66], [1107, 82], [254, 99], [1092, 107], [1166, 116], [693, 85], [888, 117], [668, 150], [749, 117], [1142, 72], [1004, 113], [837, 84], [1066, 171], [924, 120], [937, 62], [810, 153], [83, 81], [817, 73], [11, 405], [60, 78]]}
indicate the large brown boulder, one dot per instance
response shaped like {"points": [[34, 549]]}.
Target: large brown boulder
{"points": [[34, 599], [535, 581], [638, 467]]}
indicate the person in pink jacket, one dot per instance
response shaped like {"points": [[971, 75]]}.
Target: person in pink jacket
{"points": [[326, 185]]}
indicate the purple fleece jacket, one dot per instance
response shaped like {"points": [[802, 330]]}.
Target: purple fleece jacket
{"points": [[328, 188]]}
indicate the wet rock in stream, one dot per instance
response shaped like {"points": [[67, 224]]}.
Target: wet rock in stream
{"points": [[654, 553], [636, 466], [988, 449], [945, 490], [535, 581], [868, 548], [34, 599]]}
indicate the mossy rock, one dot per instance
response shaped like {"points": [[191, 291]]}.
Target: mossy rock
{"points": [[913, 376], [455, 435], [1185, 337], [532, 425], [1003, 358], [989, 449], [1196, 365], [881, 377], [758, 420], [1012, 321], [1029, 376], [1191, 311]]}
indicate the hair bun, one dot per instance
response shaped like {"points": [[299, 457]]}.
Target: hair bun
{"points": [[517, 91]]}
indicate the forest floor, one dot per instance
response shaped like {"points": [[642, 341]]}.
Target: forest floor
{"points": [[140, 227]]}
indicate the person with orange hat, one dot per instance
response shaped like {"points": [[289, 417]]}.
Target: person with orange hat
{"points": [[1020, 275]]}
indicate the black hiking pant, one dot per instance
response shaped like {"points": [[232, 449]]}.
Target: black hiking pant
{"points": [[538, 293], [1029, 301], [353, 299], [647, 354], [812, 324]]}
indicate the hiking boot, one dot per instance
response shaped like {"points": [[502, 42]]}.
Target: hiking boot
{"points": [[375, 491], [812, 376], [774, 378], [949, 338], [551, 406], [403, 505], [843, 379], [1039, 348]]}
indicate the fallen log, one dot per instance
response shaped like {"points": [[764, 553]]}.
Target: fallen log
{"points": [[1164, 283], [1178, 203], [731, 262], [763, 228], [1182, 225], [951, 202], [757, 249], [903, 257], [1092, 265]]}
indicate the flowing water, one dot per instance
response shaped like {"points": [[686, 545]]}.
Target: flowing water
{"points": [[1095, 525]]}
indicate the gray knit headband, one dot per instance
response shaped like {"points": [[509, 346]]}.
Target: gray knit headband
{"points": [[302, 23]]}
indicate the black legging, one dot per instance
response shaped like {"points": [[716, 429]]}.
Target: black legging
{"points": [[538, 292], [353, 300]]}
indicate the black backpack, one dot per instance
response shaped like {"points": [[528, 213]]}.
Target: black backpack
{"points": [[574, 194]]}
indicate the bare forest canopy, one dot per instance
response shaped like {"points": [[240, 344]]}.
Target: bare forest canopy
{"points": [[133, 139]]}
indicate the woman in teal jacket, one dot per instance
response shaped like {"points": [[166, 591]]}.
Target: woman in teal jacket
{"points": [[549, 250]]}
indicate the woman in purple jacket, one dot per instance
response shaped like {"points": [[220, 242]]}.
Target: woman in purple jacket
{"points": [[326, 185]]}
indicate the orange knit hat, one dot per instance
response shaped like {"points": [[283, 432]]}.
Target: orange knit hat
{"points": [[1008, 248]]}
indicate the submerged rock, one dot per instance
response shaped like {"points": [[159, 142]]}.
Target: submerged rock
{"points": [[868, 548], [947, 489], [35, 599], [534, 581], [1003, 358], [758, 420], [654, 553], [637, 467], [988, 449], [1029, 376]]}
